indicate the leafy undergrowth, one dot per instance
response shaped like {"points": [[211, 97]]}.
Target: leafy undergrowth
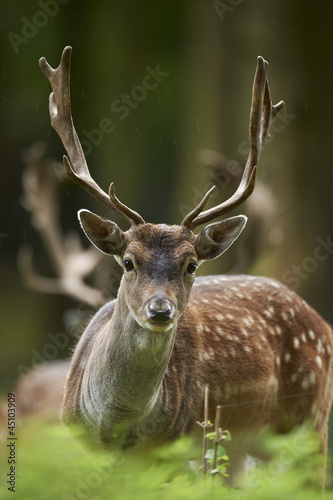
{"points": [[50, 464]]}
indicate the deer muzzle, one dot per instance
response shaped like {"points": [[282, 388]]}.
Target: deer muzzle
{"points": [[159, 311]]}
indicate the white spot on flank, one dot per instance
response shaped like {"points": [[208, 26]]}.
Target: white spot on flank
{"points": [[305, 384], [247, 348], [211, 352], [219, 317], [246, 321], [303, 337], [244, 332], [229, 316], [268, 313], [312, 378], [287, 357], [296, 342], [207, 329], [292, 312], [294, 377], [273, 381], [319, 346], [240, 295], [199, 328], [278, 360], [219, 331], [319, 361], [284, 316], [262, 321], [217, 302], [314, 408], [278, 330], [205, 301], [312, 335]]}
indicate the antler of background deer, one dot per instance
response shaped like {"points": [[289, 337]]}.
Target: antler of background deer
{"points": [[70, 261], [261, 114], [262, 208], [62, 122]]}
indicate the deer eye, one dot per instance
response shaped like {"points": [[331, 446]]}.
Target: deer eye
{"points": [[128, 264], [192, 267]]}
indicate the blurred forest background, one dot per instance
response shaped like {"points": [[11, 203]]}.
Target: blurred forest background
{"points": [[203, 55]]}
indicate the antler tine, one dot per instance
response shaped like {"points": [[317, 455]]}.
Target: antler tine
{"points": [[61, 120], [261, 114]]}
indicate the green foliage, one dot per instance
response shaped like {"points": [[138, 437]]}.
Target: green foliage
{"points": [[217, 458], [51, 464]]}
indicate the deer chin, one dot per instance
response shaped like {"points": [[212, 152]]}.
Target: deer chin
{"points": [[158, 327]]}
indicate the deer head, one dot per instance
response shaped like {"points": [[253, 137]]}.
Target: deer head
{"points": [[159, 261]]}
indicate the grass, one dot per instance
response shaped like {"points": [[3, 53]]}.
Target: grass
{"points": [[51, 464]]}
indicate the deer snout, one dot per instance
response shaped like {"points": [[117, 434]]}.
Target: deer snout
{"points": [[160, 310]]}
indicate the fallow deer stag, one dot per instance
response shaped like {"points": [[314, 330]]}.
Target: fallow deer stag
{"points": [[139, 369]]}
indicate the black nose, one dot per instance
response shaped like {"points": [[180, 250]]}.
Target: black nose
{"points": [[159, 315], [160, 311]]}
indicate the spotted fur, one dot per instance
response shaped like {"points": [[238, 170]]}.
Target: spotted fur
{"points": [[265, 353]]}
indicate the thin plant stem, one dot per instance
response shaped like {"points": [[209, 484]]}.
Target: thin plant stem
{"points": [[205, 427], [217, 433]]}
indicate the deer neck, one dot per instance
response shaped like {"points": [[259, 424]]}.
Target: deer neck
{"points": [[123, 379]]}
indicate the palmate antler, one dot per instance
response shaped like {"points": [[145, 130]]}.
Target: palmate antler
{"points": [[261, 114], [61, 120], [71, 262]]}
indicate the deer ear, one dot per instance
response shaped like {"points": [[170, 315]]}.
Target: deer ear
{"points": [[216, 238], [102, 233]]}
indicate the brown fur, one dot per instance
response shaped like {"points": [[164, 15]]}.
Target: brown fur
{"points": [[265, 353]]}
